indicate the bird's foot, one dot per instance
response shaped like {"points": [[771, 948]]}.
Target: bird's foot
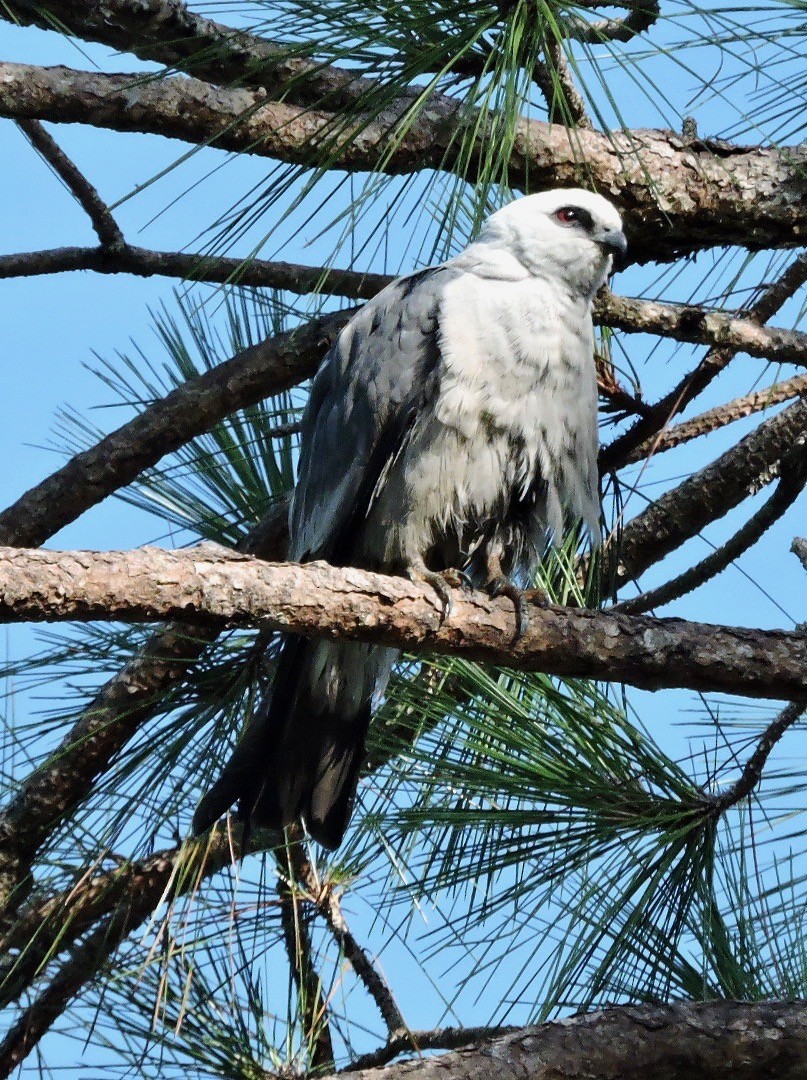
{"points": [[443, 582], [502, 586]]}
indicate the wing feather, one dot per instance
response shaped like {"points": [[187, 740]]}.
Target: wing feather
{"points": [[363, 402]]}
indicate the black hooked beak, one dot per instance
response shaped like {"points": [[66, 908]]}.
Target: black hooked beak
{"points": [[614, 243]]}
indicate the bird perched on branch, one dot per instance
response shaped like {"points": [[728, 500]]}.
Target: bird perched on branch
{"points": [[452, 426]]}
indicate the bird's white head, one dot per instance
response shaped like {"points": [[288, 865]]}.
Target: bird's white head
{"points": [[567, 233]]}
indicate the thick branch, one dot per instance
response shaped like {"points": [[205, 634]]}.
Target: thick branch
{"points": [[711, 492], [793, 476], [204, 585], [118, 710], [167, 32], [716, 1040], [192, 408], [678, 194]]}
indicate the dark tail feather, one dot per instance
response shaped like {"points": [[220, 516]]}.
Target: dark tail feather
{"points": [[301, 754]]}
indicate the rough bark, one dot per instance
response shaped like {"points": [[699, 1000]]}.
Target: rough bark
{"points": [[274, 365], [677, 194], [208, 584], [716, 1040], [117, 711], [711, 492]]}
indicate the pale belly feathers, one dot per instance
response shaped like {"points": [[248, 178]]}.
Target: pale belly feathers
{"points": [[516, 409]]}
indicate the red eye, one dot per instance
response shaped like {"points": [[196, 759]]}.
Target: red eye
{"points": [[567, 214]]}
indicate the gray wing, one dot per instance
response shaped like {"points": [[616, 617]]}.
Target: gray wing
{"points": [[364, 399]]}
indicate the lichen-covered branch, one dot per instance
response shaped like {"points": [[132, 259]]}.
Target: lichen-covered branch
{"points": [[678, 194], [208, 584]]}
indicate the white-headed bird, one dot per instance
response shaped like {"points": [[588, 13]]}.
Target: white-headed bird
{"points": [[451, 427]]}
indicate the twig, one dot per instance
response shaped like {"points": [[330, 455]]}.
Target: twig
{"points": [[752, 773], [710, 493], [719, 417], [326, 899], [300, 950], [793, 476], [417, 1041], [615, 455], [77, 184], [217, 269]]}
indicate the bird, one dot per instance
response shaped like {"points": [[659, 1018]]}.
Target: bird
{"points": [[450, 429]]}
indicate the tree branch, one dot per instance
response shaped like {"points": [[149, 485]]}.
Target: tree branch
{"points": [[716, 1040], [703, 326], [793, 476], [689, 323], [640, 18], [274, 365], [678, 194], [209, 585], [84, 193], [117, 711], [299, 948], [118, 902], [752, 773], [326, 899], [169, 33], [719, 417], [617, 453], [710, 493], [217, 269]]}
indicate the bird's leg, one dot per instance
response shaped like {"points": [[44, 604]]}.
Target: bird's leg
{"points": [[498, 584], [442, 581]]}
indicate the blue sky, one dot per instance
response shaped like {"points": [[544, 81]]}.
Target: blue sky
{"points": [[52, 327]]}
